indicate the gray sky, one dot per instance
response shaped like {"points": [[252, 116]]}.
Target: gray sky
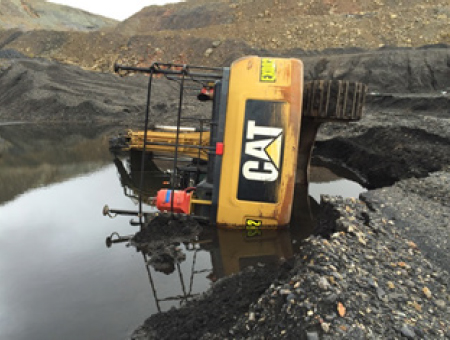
{"points": [[116, 9]]}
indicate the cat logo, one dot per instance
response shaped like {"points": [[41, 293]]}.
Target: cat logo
{"points": [[263, 144], [262, 151]]}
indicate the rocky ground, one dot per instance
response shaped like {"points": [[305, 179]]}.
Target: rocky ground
{"points": [[361, 279], [363, 275], [214, 33]]}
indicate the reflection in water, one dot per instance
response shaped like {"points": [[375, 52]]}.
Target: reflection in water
{"points": [[222, 252], [230, 251], [32, 156], [130, 176], [57, 279], [168, 265]]}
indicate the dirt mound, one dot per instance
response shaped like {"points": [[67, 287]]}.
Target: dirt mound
{"points": [[310, 24], [39, 90], [43, 91], [180, 16]]}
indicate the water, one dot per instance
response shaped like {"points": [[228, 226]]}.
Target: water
{"points": [[60, 281]]}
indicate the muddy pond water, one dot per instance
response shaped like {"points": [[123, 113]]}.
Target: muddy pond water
{"points": [[58, 279]]}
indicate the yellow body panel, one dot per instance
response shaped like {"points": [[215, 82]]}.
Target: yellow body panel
{"points": [[274, 83]]}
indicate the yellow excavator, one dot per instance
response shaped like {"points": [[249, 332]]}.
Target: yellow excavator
{"points": [[256, 145]]}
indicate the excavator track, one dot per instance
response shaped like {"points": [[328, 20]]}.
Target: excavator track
{"points": [[334, 100]]}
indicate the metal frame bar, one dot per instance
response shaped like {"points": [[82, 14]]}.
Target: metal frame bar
{"points": [[187, 146], [180, 73], [177, 139], [147, 112]]}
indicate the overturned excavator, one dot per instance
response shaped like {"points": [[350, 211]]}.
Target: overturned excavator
{"points": [[238, 167]]}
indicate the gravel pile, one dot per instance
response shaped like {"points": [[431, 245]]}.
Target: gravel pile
{"points": [[421, 208], [366, 281], [359, 277]]}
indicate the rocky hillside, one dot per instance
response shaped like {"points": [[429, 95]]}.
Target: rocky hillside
{"points": [[216, 32], [309, 24], [39, 14]]}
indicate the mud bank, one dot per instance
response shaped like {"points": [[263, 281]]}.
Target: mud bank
{"points": [[393, 141], [385, 155]]}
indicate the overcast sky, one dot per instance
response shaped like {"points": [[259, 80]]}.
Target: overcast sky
{"points": [[116, 9]]}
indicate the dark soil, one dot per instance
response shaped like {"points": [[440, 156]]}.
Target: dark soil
{"points": [[384, 156], [420, 206], [43, 91], [165, 230], [215, 312], [37, 90]]}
